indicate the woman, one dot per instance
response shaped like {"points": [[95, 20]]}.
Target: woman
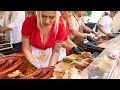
{"points": [[67, 44], [41, 38]]}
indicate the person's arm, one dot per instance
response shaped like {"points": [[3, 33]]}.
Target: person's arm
{"points": [[66, 45], [101, 28], [78, 34], [5, 28], [70, 42], [90, 30], [55, 53], [26, 49]]}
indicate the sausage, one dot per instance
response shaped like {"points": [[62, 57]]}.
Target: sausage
{"points": [[7, 64], [2, 62], [13, 67], [4, 66], [50, 74], [7, 57], [17, 55], [36, 73], [42, 74], [32, 75]]}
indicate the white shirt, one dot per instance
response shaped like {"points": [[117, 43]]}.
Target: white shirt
{"points": [[105, 22], [15, 23], [74, 24]]}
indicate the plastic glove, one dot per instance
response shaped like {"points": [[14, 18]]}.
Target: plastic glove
{"points": [[90, 38], [75, 51]]}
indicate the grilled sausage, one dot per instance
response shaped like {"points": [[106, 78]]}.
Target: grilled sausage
{"points": [[7, 64], [37, 72], [2, 62], [50, 74], [11, 68], [17, 55]]}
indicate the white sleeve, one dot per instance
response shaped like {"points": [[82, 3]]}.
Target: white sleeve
{"points": [[19, 17], [72, 24], [102, 21], [82, 23]]}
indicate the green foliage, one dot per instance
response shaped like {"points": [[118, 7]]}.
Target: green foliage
{"points": [[88, 13]]}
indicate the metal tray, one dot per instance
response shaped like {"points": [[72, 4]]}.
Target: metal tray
{"points": [[5, 46]]}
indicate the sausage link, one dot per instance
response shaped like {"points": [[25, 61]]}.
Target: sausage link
{"points": [[7, 64], [10, 69], [4, 66], [17, 55], [50, 74], [2, 62], [36, 73], [39, 71], [42, 74]]}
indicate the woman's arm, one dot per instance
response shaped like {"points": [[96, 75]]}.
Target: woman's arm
{"points": [[90, 30], [55, 53], [26, 49], [70, 42], [66, 45], [78, 34]]}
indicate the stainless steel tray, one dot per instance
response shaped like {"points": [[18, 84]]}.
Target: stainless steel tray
{"points": [[5, 46]]}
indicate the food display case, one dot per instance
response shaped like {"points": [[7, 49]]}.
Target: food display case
{"points": [[105, 64], [101, 70]]}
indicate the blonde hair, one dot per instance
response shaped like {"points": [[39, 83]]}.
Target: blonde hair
{"points": [[39, 20]]}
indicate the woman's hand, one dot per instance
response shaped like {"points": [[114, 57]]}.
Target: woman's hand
{"points": [[110, 34], [95, 33]]}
